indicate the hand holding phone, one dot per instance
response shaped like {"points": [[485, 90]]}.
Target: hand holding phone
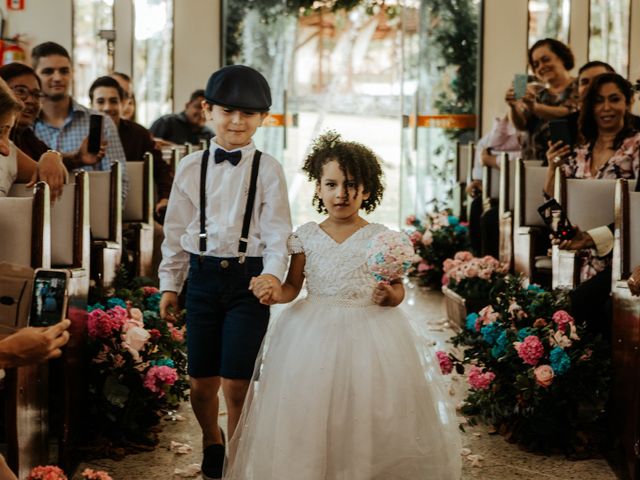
{"points": [[520, 85], [554, 217], [559, 131], [49, 299], [95, 133]]}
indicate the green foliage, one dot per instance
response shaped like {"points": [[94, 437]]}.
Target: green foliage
{"points": [[561, 415]]}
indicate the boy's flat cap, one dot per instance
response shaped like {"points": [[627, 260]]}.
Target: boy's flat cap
{"points": [[239, 87]]}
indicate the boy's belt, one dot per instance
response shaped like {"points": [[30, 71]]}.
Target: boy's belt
{"points": [[251, 197]]}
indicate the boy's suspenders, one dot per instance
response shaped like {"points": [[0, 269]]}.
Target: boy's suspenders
{"points": [[244, 236]]}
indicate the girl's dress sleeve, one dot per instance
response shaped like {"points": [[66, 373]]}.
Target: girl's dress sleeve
{"points": [[294, 244]]}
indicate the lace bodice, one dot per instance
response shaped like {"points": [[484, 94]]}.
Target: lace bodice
{"points": [[336, 271]]}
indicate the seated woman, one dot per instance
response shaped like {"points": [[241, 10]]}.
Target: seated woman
{"points": [[15, 165], [550, 60], [610, 149], [26, 86]]}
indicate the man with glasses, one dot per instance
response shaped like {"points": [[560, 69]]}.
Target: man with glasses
{"points": [[63, 124], [26, 86]]}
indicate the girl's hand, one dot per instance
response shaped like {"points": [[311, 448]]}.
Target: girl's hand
{"points": [[266, 288], [557, 153], [387, 295]]}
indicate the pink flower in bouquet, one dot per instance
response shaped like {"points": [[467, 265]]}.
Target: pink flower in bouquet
{"points": [[131, 323], [101, 324], [446, 365], [543, 375], [427, 238], [118, 360], [472, 271], [479, 380], [47, 472], [136, 314], [562, 318], [487, 315], [415, 237], [586, 355], [539, 323], [155, 334], [530, 349], [463, 256], [148, 291], [158, 377], [176, 334], [390, 255], [410, 220], [516, 311], [90, 474], [423, 266], [136, 337], [485, 274], [445, 280], [447, 265]]}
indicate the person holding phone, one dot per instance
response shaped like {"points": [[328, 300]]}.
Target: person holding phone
{"points": [[63, 124], [551, 61]]}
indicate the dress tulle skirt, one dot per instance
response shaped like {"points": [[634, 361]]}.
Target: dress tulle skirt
{"points": [[345, 393]]}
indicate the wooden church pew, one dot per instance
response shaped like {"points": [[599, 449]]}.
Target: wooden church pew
{"points": [[137, 216], [70, 250], [106, 225], [505, 208], [530, 234], [489, 221], [588, 203], [25, 223], [625, 403], [462, 171]]}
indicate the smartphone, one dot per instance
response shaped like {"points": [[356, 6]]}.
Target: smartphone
{"points": [[559, 131], [520, 81], [95, 133], [554, 217], [49, 299]]}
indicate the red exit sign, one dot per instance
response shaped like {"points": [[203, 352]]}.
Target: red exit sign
{"points": [[15, 4]]}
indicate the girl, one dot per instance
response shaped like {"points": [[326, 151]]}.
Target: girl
{"points": [[343, 391]]}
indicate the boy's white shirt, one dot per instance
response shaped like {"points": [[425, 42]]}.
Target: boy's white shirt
{"points": [[227, 187]]}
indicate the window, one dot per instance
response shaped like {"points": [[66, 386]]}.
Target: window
{"points": [[609, 33], [549, 19], [153, 59], [91, 58]]}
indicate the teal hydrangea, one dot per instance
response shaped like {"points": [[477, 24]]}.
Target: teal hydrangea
{"points": [[97, 306], [116, 302], [471, 322], [491, 332], [524, 333], [161, 362], [500, 347], [560, 361]]}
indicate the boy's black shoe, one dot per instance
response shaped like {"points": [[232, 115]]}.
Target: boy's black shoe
{"points": [[212, 462]]}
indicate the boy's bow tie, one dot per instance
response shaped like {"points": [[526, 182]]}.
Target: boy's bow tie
{"points": [[221, 155]]}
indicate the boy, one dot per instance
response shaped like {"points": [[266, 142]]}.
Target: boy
{"points": [[214, 226]]}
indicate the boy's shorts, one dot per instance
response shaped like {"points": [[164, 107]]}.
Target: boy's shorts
{"points": [[225, 321]]}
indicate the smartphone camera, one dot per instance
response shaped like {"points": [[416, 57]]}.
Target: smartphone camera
{"points": [[49, 300]]}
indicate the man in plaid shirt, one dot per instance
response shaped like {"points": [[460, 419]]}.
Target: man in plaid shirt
{"points": [[64, 124]]}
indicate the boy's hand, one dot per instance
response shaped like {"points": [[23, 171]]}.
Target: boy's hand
{"points": [[385, 295], [168, 303], [266, 288]]}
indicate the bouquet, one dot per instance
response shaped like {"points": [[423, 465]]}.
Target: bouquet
{"points": [[473, 278], [390, 256], [138, 365], [534, 374], [51, 472], [440, 236]]}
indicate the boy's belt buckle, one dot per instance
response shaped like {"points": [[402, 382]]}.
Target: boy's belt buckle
{"points": [[224, 263]]}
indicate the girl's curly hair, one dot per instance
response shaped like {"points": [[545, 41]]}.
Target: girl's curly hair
{"points": [[354, 159]]}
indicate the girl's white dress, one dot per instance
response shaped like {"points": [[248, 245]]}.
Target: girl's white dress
{"points": [[343, 388]]}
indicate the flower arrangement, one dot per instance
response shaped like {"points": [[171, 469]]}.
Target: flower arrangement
{"points": [[471, 277], [138, 365], [390, 256], [440, 236], [51, 472], [534, 374]]}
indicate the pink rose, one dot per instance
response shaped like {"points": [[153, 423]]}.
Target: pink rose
{"points": [[530, 349], [136, 337], [484, 274], [563, 319], [447, 265], [478, 379], [415, 237], [472, 272], [427, 238], [463, 256], [424, 267], [158, 378], [543, 375], [446, 365], [445, 280], [539, 323], [410, 220], [488, 315]]}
